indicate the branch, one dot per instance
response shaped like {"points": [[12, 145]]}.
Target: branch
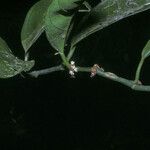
{"points": [[100, 72], [46, 71], [114, 77]]}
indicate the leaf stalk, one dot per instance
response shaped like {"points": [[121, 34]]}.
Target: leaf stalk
{"points": [[138, 71]]}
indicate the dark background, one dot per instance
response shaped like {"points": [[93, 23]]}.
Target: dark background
{"points": [[60, 113]]}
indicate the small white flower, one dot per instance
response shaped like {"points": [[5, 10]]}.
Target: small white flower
{"points": [[73, 68], [72, 63], [71, 73]]}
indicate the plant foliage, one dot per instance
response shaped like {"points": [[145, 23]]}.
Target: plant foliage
{"points": [[56, 19]]}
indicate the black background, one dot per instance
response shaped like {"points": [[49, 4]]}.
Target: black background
{"points": [[58, 112]]}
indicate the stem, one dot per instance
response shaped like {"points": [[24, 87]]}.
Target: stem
{"points": [[114, 77], [138, 71], [71, 52], [45, 71], [26, 57], [100, 72], [52, 69], [65, 60]]}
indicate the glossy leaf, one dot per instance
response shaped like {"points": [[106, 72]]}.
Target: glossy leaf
{"points": [[106, 13], [9, 64], [146, 50], [34, 23], [58, 20]]}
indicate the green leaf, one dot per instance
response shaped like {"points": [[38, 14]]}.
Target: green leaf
{"points": [[34, 23], [106, 13], [58, 21], [9, 64], [146, 50]]}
